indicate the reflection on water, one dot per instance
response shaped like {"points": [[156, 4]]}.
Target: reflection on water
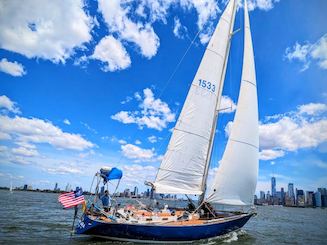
{"points": [[30, 218]]}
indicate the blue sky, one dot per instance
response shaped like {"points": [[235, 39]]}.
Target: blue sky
{"points": [[88, 84]]}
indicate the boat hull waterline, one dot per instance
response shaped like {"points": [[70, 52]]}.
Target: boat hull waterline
{"points": [[160, 233]]}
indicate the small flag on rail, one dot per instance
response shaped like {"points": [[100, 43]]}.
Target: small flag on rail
{"points": [[71, 199]]}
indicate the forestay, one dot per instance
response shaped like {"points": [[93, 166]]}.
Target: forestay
{"points": [[183, 166], [236, 178]]}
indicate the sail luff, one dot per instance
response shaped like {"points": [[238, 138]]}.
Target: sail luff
{"points": [[236, 178], [220, 90], [183, 166]]}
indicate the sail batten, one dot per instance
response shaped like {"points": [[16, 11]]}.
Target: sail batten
{"points": [[236, 177], [189, 145]]}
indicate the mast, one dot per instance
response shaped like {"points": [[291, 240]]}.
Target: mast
{"points": [[184, 164], [236, 178], [214, 125]]}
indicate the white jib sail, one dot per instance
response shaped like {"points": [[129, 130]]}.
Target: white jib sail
{"points": [[182, 168], [236, 178]]}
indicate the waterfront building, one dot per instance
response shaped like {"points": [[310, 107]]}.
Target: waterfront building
{"points": [[273, 186], [262, 195], [56, 187], [25, 187], [282, 196], [289, 201], [300, 198], [136, 191], [322, 191], [317, 199], [290, 190], [309, 198], [127, 193], [323, 200], [68, 187]]}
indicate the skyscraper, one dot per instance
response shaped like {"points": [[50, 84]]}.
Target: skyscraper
{"points": [[322, 191], [282, 192], [300, 198], [136, 191], [317, 198], [273, 186], [290, 190], [56, 187]]}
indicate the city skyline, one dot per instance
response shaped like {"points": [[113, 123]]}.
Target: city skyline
{"points": [[106, 94], [291, 198]]}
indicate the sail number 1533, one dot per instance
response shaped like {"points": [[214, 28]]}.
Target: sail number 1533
{"points": [[207, 85]]}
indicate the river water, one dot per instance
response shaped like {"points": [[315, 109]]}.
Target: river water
{"points": [[31, 218]]}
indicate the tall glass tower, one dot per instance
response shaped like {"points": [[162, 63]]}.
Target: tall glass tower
{"points": [[273, 186], [290, 190]]}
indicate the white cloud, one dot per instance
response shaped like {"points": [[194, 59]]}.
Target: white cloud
{"points": [[304, 128], [142, 35], [179, 30], [39, 131], [112, 53], [9, 105], [261, 4], [124, 117], [227, 105], [308, 52], [132, 23], [206, 10], [89, 128], [137, 153], [66, 121], [152, 139], [4, 136], [49, 31], [270, 154], [228, 128], [289, 132], [86, 154], [64, 170], [312, 108], [154, 113], [319, 52], [135, 174], [127, 99], [320, 164], [138, 142], [122, 142], [12, 68], [27, 152]]}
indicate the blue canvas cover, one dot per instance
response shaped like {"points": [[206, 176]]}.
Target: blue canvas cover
{"points": [[112, 174]]}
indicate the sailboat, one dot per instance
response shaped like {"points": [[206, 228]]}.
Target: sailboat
{"points": [[185, 165], [10, 188]]}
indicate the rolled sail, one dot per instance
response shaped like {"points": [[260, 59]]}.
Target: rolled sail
{"points": [[184, 163], [236, 178]]}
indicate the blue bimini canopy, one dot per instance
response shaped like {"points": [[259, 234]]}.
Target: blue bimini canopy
{"points": [[111, 174], [115, 173]]}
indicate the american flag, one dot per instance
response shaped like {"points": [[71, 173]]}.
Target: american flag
{"points": [[71, 199]]}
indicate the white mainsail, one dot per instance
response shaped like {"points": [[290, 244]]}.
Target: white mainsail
{"points": [[185, 162], [236, 178]]}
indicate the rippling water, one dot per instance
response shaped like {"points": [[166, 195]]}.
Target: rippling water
{"points": [[30, 218]]}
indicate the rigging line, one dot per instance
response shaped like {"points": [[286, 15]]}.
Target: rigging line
{"points": [[179, 63]]}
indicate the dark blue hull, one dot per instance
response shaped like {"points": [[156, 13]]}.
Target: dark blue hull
{"points": [[163, 233]]}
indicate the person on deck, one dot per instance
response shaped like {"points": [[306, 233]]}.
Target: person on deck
{"points": [[106, 202]]}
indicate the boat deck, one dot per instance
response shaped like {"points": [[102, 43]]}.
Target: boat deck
{"points": [[166, 219]]}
